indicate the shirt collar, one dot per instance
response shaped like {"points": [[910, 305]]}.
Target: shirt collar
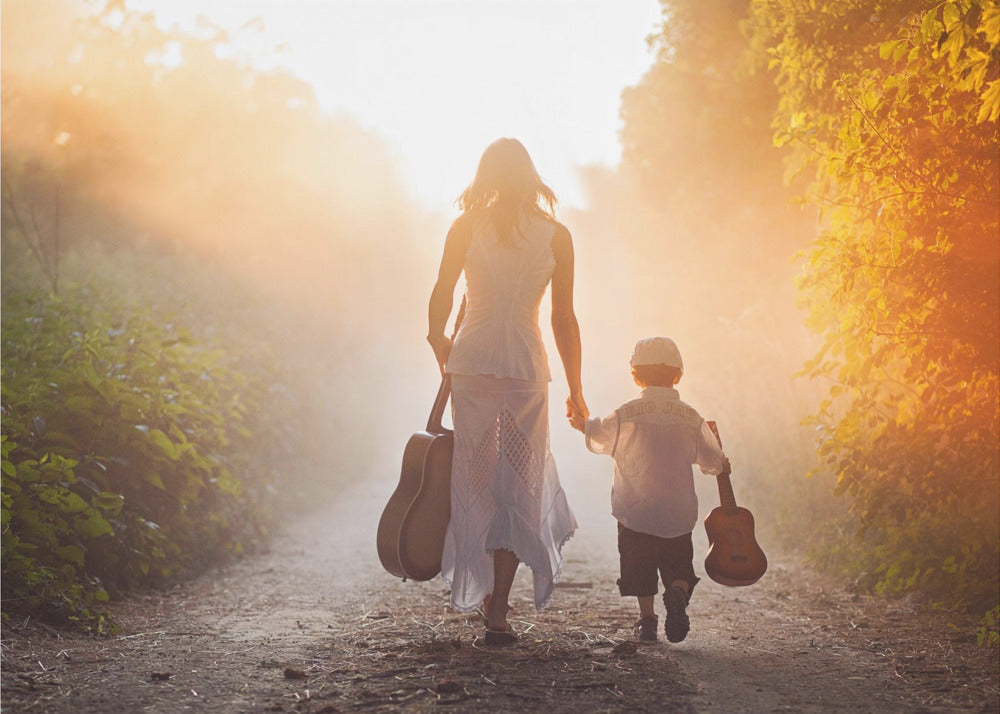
{"points": [[662, 393]]}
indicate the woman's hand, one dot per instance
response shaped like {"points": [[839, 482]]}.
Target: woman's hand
{"points": [[442, 348], [577, 411]]}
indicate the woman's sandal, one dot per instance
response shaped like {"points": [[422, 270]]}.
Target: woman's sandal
{"points": [[500, 638], [495, 638], [481, 610]]}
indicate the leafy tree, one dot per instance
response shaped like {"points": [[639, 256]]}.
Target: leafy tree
{"points": [[159, 135], [216, 232], [176, 144], [696, 128], [893, 107], [713, 231]]}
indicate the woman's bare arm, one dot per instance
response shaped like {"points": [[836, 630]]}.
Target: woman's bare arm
{"points": [[565, 327], [442, 297]]}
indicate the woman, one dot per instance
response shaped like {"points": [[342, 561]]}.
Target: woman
{"points": [[507, 506]]}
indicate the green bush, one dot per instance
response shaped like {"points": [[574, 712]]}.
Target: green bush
{"points": [[989, 629], [132, 454]]}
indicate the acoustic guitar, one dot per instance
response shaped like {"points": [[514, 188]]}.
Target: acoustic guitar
{"points": [[412, 528], [733, 557], [411, 531]]}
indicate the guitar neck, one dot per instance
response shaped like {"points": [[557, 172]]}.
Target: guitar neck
{"points": [[444, 391], [726, 495]]}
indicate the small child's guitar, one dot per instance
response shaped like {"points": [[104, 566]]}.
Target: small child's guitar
{"points": [[733, 557]]}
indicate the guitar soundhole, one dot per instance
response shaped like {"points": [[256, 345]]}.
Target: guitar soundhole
{"points": [[735, 537]]}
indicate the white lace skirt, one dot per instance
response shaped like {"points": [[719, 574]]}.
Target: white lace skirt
{"points": [[505, 491]]}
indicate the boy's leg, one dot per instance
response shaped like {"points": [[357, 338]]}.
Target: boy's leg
{"points": [[676, 565], [676, 624], [684, 585], [647, 625], [638, 577]]}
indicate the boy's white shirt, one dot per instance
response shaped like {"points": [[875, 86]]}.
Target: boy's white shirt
{"points": [[654, 440]]}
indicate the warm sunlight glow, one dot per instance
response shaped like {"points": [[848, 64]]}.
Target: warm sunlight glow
{"points": [[440, 79], [230, 261]]}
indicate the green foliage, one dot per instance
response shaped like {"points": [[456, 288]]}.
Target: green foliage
{"points": [[894, 108], [721, 230], [989, 629], [131, 454], [208, 333]]}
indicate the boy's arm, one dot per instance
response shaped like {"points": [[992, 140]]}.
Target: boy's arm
{"points": [[602, 434], [708, 453]]}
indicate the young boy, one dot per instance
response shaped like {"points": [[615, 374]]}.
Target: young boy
{"points": [[654, 440]]}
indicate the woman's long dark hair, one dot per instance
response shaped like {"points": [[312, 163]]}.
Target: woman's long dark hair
{"points": [[507, 181]]}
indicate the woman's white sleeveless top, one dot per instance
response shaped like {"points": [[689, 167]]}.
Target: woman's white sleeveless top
{"points": [[504, 286]]}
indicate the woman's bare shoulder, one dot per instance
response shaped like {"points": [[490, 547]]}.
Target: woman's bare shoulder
{"points": [[560, 230], [562, 241], [466, 221], [460, 233]]}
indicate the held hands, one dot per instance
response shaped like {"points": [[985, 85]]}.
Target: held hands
{"points": [[442, 349], [726, 468], [577, 411]]}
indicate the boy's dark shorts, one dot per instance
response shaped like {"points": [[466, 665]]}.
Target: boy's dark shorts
{"points": [[642, 555]]}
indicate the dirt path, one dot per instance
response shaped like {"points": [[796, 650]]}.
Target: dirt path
{"points": [[316, 626]]}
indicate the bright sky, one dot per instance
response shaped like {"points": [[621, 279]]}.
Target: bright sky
{"points": [[440, 79]]}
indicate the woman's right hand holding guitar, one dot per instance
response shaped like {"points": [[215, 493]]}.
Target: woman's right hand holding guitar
{"points": [[442, 349]]}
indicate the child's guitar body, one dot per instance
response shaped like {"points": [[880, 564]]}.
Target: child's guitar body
{"points": [[733, 557]]}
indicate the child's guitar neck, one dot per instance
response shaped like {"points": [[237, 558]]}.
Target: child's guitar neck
{"points": [[726, 496]]}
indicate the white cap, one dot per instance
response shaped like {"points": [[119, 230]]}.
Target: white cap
{"points": [[657, 350]]}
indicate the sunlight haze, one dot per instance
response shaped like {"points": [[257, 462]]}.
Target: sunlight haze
{"points": [[438, 80], [230, 261]]}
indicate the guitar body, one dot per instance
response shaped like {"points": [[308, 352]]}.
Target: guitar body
{"points": [[411, 531], [733, 558]]}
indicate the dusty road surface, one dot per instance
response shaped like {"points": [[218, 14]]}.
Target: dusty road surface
{"points": [[315, 625]]}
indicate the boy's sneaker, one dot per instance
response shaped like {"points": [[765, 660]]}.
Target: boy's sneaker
{"points": [[677, 623], [646, 628]]}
